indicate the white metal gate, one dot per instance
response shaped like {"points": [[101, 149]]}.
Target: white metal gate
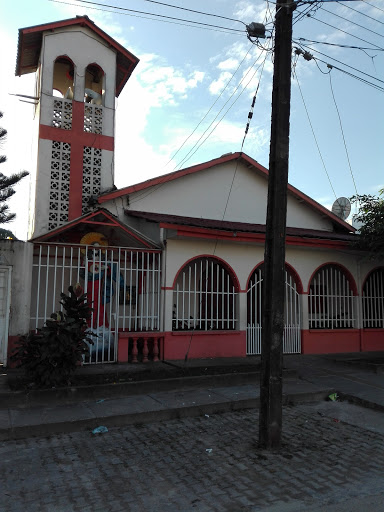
{"points": [[122, 286], [5, 295], [292, 314]]}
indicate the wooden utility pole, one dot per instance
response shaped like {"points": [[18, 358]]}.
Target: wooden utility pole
{"points": [[271, 379]]}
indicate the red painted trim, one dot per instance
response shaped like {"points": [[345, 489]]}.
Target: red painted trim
{"points": [[76, 171], [208, 233], [113, 222], [223, 262], [292, 270], [87, 139], [341, 267], [218, 161]]}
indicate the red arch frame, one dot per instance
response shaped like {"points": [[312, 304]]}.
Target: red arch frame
{"points": [[288, 267], [223, 262], [348, 274]]}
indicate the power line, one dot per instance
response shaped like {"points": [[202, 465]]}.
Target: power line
{"points": [[209, 110], [158, 15], [191, 152], [192, 10], [316, 59], [360, 12], [224, 31], [340, 62], [374, 6], [313, 132], [338, 45], [342, 133], [353, 22], [344, 32]]}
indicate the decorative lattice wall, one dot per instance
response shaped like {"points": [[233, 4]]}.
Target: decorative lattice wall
{"points": [[59, 186], [93, 118], [62, 114], [91, 175]]}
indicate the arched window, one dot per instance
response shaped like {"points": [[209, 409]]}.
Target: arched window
{"points": [[204, 297], [63, 78], [94, 84], [373, 300], [330, 299]]}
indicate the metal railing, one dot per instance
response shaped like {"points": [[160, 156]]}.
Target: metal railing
{"points": [[122, 286]]}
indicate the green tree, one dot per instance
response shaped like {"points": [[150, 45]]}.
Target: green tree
{"points": [[7, 183], [371, 215]]}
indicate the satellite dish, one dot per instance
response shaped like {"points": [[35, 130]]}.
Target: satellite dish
{"points": [[341, 207], [93, 95]]}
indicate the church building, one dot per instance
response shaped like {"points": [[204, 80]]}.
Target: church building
{"points": [[173, 266]]}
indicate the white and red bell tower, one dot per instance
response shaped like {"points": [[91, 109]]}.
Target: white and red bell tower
{"points": [[80, 70]]}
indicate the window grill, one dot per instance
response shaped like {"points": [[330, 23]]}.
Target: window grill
{"points": [[373, 300], [204, 297], [331, 304]]}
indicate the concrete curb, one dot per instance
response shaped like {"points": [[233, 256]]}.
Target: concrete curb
{"points": [[150, 416], [80, 393]]}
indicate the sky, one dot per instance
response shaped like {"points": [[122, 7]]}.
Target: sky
{"points": [[189, 98]]}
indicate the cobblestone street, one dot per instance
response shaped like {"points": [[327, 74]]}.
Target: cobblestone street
{"points": [[198, 464]]}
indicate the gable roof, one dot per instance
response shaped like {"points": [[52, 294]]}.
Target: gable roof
{"points": [[338, 223], [103, 220], [30, 41]]}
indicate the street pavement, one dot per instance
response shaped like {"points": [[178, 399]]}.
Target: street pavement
{"points": [[198, 450]]}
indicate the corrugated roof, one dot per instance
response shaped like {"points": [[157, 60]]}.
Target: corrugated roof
{"points": [[235, 226]]}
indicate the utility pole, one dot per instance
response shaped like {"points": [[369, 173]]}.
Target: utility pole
{"points": [[271, 378]]}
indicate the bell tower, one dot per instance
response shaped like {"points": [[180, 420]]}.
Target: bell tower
{"points": [[80, 70]]}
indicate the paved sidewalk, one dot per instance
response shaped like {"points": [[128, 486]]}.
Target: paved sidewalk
{"points": [[307, 378], [203, 464]]}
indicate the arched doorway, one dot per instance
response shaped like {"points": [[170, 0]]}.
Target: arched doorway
{"points": [[292, 313]]}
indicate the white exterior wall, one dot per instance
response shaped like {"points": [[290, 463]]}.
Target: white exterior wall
{"points": [[204, 195]]}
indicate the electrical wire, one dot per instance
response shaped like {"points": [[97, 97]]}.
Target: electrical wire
{"points": [[192, 10], [359, 12], [225, 31], [313, 131], [157, 15], [209, 110], [192, 151], [374, 6], [352, 22], [340, 62], [345, 32], [342, 132], [338, 45]]}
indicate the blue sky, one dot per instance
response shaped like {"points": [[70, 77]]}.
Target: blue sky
{"points": [[182, 73]]}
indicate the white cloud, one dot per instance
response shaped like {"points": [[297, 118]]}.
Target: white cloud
{"points": [[228, 64], [218, 85]]}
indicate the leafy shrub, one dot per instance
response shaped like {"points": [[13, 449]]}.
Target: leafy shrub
{"points": [[51, 354]]}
